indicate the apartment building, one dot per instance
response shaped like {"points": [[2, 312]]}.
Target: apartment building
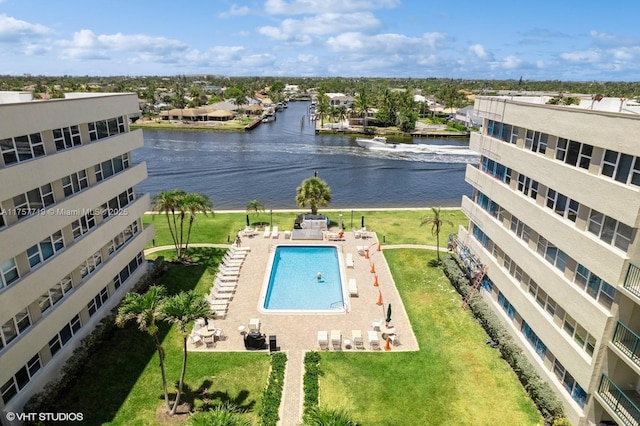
{"points": [[71, 233], [554, 218]]}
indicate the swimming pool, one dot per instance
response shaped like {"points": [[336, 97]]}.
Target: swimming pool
{"points": [[292, 285]]}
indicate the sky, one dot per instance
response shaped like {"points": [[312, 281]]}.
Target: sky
{"points": [[536, 40]]}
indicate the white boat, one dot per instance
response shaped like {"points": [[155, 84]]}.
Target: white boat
{"points": [[375, 142]]}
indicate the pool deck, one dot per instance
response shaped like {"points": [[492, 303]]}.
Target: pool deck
{"points": [[297, 333]]}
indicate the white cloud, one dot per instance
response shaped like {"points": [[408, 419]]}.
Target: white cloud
{"points": [[305, 30], [582, 56], [479, 51], [389, 43], [13, 30], [235, 10], [298, 7]]}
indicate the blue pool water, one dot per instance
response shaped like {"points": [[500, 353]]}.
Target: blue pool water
{"points": [[293, 283]]}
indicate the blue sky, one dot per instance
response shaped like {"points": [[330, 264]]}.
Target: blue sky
{"points": [[538, 40]]}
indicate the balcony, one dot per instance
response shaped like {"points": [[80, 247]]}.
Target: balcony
{"points": [[632, 280], [623, 403], [628, 342]]}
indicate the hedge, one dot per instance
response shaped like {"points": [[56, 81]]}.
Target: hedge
{"points": [[272, 395], [310, 382], [539, 390]]}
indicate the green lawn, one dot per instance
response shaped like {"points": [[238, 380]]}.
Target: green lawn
{"points": [[122, 384], [455, 378]]}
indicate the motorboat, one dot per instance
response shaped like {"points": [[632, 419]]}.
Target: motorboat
{"points": [[375, 142]]}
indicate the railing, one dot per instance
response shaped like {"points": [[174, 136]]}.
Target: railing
{"points": [[632, 280], [625, 409], [627, 341]]}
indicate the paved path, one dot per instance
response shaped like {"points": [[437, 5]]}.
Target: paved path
{"points": [[297, 343]]}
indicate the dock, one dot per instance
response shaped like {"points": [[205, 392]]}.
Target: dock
{"points": [[255, 123]]}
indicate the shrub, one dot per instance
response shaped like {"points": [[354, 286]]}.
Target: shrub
{"points": [[538, 390], [272, 395], [310, 382]]}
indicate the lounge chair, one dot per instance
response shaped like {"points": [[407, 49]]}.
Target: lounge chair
{"points": [[195, 339], [360, 250], [353, 287], [377, 324], [372, 337], [221, 295], [274, 233], [221, 288], [254, 325], [356, 336], [349, 260], [229, 270], [218, 283], [238, 250], [323, 339], [267, 232], [219, 312], [336, 339]]}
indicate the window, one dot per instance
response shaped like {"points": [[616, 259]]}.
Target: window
{"points": [[536, 141], [105, 128], [21, 148], [562, 205], [20, 379], [3, 222], [114, 205], [533, 339], [46, 248], [508, 307], [83, 225], [33, 201], [97, 302], [622, 167], [552, 254], [8, 272], [528, 186], [88, 266], [575, 390], [67, 137], [75, 183], [55, 293], [9, 331], [64, 335], [610, 230], [487, 204], [595, 286], [496, 170], [579, 334], [520, 229], [128, 270], [574, 153]]}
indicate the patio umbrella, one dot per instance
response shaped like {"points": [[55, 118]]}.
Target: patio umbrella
{"points": [[248, 224], [388, 320], [362, 222]]}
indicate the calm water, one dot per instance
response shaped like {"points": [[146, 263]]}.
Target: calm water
{"points": [[269, 162], [294, 283]]}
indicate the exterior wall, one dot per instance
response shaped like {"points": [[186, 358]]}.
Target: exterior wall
{"points": [[594, 191], [19, 234]]}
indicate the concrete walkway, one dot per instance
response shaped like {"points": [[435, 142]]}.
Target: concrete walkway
{"points": [[297, 333]]}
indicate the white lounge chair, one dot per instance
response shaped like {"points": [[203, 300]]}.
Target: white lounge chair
{"points": [[356, 336], [336, 339], [267, 232], [349, 260], [360, 250], [353, 287], [274, 233], [219, 312], [254, 325], [195, 339], [228, 295], [219, 283], [377, 324], [323, 339], [237, 250], [229, 270], [372, 337], [219, 288]]}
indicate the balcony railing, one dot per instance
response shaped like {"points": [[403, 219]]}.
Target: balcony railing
{"points": [[620, 403], [632, 280], [628, 342]]}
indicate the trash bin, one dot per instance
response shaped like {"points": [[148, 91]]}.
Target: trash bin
{"points": [[273, 347]]}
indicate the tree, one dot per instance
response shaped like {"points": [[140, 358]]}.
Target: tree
{"points": [[194, 203], [436, 221], [167, 202], [324, 416], [255, 206], [324, 107], [181, 310], [146, 309], [313, 192], [362, 104]]}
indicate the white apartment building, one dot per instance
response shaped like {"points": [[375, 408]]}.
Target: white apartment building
{"points": [[71, 232], [554, 218]]}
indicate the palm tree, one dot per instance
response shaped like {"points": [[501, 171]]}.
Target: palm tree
{"points": [[342, 114], [313, 192], [326, 416], [362, 104], [181, 310], [146, 309], [167, 202], [436, 222], [255, 206], [194, 203]]}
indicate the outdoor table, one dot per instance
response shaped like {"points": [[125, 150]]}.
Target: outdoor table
{"points": [[387, 331]]}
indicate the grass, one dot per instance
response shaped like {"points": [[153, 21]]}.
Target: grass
{"points": [[393, 226], [122, 383], [455, 378]]}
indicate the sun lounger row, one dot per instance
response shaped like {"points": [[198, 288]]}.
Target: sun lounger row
{"points": [[334, 340], [269, 233]]}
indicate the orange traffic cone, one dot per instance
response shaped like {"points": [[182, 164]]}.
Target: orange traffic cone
{"points": [[366, 254], [379, 299], [379, 247], [373, 268], [375, 283], [387, 347]]}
